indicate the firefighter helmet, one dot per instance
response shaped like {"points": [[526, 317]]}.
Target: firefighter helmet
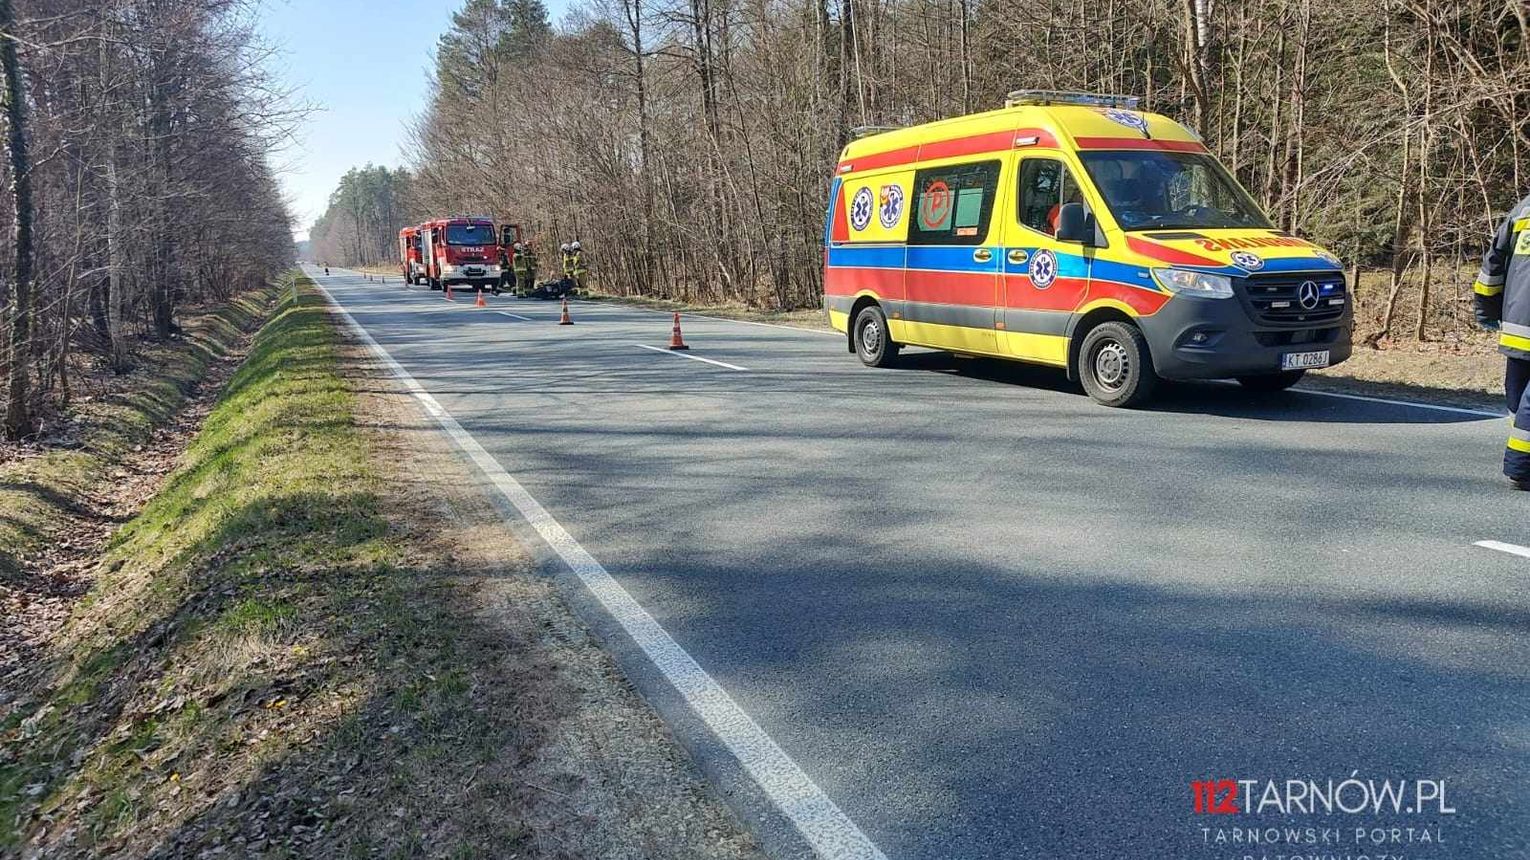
{"points": [[574, 246]]}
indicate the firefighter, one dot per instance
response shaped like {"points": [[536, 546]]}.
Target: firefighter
{"points": [[576, 268], [506, 276], [1503, 305], [525, 269]]}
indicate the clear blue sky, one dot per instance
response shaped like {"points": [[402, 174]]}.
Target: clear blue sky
{"points": [[364, 65]]}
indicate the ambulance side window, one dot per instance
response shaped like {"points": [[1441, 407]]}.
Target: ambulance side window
{"points": [[952, 204], [1045, 185]]}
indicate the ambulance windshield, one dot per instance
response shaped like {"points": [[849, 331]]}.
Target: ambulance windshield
{"points": [[469, 234], [1153, 190]]}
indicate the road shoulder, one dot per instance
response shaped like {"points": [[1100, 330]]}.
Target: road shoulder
{"points": [[320, 640]]}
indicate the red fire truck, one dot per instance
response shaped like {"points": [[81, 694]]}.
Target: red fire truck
{"points": [[410, 255], [459, 251]]}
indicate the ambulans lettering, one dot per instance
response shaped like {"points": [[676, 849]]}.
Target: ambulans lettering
{"points": [[1236, 242], [860, 208], [892, 205]]}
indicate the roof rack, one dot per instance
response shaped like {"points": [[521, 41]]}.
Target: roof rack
{"points": [[861, 131], [1064, 97]]}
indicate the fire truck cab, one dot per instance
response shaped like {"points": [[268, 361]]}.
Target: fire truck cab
{"points": [[410, 254], [460, 251]]}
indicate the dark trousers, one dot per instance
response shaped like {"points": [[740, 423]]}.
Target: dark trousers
{"points": [[1516, 389]]}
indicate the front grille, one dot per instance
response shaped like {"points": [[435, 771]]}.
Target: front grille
{"points": [[1276, 297], [1297, 337]]}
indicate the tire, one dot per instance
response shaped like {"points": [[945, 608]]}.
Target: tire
{"points": [[1115, 366], [1269, 383], [873, 344], [435, 285]]}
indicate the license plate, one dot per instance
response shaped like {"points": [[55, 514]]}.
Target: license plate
{"points": [[1304, 360]]}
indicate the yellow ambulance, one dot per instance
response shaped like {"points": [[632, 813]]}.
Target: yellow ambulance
{"points": [[1077, 231]]}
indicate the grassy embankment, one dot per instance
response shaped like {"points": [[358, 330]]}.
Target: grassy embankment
{"points": [[272, 664], [38, 494]]}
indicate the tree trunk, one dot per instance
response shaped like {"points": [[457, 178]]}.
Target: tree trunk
{"points": [[18, 412], [116, 302]]}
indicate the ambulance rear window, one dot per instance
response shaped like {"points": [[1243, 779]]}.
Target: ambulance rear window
{"points": [[952, 204]]}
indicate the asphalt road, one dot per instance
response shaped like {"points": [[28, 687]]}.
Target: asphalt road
{"points": [[993, 619]]}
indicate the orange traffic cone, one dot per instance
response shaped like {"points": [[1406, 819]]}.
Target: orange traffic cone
{"points": [[564, 320], [480, 303], [675, 342], [448, 292]]}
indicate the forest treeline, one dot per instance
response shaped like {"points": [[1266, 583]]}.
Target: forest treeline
{"points": [[136, 180], [689, 143]]}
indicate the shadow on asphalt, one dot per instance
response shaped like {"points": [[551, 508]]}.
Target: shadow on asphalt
{"points": [[1223, 399]]}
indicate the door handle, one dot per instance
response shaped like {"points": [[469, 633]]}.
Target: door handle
{"points": [[1016, 256], [982, 255]]}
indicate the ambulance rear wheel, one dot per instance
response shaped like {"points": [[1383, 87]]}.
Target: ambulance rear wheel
{"points": [[873, 346], [1269, 383], [1115, 366]]}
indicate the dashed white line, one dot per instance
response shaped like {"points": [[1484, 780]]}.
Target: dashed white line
{"points": [[691, 357], [796, 328], [1510, 548], [514, 316], [821, 822]]}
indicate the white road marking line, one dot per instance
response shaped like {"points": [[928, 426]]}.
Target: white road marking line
{"points": [[514, 316], [691, 357], [1510, 548], [1457, 410], [820, 821], [795, 328], [1416, 405]]}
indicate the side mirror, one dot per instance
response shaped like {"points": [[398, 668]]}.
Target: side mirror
{"points": [[1075, 224]]}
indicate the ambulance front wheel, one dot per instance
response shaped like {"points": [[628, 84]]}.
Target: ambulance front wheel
{"points": [[873, 346], [1115, 366]]}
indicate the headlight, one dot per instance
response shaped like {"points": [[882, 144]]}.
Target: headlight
{"points": [[1191, 283]]}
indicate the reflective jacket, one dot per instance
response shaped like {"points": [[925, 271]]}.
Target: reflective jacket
{"points": [[525, 262], [576, 265], [1503, 286]]}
